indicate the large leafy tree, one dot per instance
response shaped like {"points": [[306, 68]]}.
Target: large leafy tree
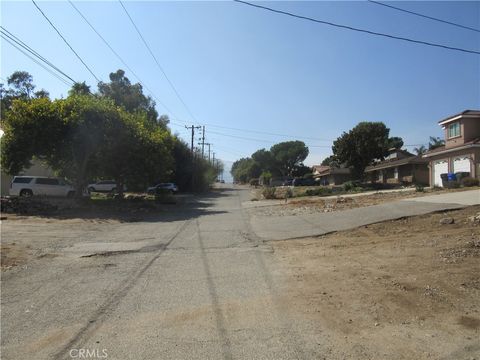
{"points": [[361, 145], [264, 160], [79, 89], [288, 155], [20, 86], [331, 161], [245, 169], [83, 137], [130, 96]]}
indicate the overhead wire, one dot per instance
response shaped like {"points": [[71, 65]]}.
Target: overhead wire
{"points": [[347, 27], [25, 46], [424, 16], [156, 61], [35, 60], [65, 40], [121, 59]]}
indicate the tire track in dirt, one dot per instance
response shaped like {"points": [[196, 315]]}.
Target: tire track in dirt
{"points": [[101, 314]]}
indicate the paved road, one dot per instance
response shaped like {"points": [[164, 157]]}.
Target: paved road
{"points": [[297, 226], [199, 284]]}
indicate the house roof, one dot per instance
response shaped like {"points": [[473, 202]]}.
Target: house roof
{"points": [[396, 162], [320, 168], [442, 149], [333, 171], [466, 113]]}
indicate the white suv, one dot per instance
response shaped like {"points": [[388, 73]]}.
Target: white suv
{"points": [[38, 185], [105, 186]]}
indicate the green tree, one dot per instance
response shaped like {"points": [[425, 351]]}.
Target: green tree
{"points": [[21, 83], [245, 169], [82, 137], [264, 159], [32, 128], [20, 86], [130, 96], [331, 161], [132, 154], [395, 142], [79, 89], [361, 145], [288, 155]]}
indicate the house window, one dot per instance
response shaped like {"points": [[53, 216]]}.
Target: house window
{"points": [[454, 130]]}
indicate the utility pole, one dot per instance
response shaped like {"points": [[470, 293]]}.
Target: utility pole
{"points": [[203, 142], [213, 161], [193, 127], [208, 144]]}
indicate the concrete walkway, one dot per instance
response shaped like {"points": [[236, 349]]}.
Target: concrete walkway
{"points": [[288, 227]]}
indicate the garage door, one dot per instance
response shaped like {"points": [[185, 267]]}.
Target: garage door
{"points": [[439, 167], [461, 164]]}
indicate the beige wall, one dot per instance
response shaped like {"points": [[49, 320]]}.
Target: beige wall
{"points": [[456, 141], [469, 130], [472, 128]]}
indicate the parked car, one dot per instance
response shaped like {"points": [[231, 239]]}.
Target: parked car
{"points": [[169, 187], [104, 186], [287, 182], [39, 185]]}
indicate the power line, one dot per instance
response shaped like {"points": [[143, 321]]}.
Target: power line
{"points": [[66, 42], [19, 42], [424, 16], [358, 29], [260, 132], [156, 61], [257, 140], [268, 133], [35, 60], [120, 58]]}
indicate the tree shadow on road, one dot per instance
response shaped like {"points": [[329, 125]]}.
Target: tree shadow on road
{"points": [[183, 207]]}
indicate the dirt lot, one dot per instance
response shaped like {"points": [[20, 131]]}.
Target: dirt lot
{"points": [[404, 289]]}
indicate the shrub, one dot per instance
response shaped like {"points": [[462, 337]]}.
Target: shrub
{"points": [[348, 186], [318, 192], [254, 182], [352, 186], [419, 188], [266, 177], [269, 192], [469, 181]]}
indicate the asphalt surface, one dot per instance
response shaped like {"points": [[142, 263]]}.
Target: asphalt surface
{"points": [[195, 284]]}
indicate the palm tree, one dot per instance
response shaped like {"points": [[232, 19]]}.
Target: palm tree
{"points": [[435, 142], [420, 150]]}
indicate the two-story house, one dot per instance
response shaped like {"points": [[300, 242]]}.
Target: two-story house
{"points": [[461, 152]]}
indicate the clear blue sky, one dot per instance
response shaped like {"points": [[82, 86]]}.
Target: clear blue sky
{"points": [[237, 66]]}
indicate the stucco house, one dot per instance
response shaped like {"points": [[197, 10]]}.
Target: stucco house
{"points": [[326, 175], [399, 167], [461, 152]]}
